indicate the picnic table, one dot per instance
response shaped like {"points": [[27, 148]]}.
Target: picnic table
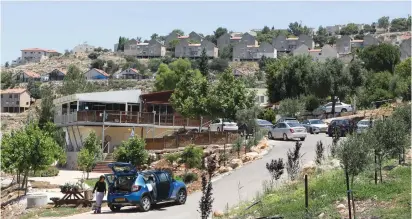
{"points": [[72, 198]]}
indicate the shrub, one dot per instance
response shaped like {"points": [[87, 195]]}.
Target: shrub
{"points": [[290, 107], [172, 157], [275, 168], [237, 145], [93, 55], [218, 64], [293, 163], [189, 177], [133, 150], [192, 156], [319, 152], [311, 103], [49, 172]]}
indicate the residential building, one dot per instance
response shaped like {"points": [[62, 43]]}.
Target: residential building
{"points": [[25, 75], [15, 100], [151, 49], [226, 40], [262, 98], [345, 44], [405, 48], [332, 30], [96, 74], [238, 73], [57, 75], [249, 39], [172, 36], [195, 37], [244, 52], [317, 54], [113, 115], [83, 48], [284, 44], [188, 50], [37, 54], [129, 73]]}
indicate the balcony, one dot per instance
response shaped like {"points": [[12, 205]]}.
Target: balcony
{"points": [[123, 118]]}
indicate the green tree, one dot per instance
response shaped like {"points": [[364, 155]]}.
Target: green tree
{"points": [[93, 145], [73, 82], [218, 64], [228, 95], [154, 64], [112, 67], [297, 29], [248, 117], [85, 161], [154, 36], [173, 44], [332, 40], [402, 80], [6, 65], [269, 115], [349, 29], [190, 96], [133, 151], [178, 32], [168, 76], [378, 87], [7, 80], [93, 55], [121, 42], [383, 22], [45, 112], [321, 36], [291, 107], [204, 63], [227, 52], [382, 57], [34, 89], [399, 24], [220, 31], [90, 154], [97, 63]]}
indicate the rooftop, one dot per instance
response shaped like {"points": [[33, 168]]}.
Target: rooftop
{"points": [[122, 96], [357, 41], [102, 72], [13, 91], [183, 37], [31, 74]]}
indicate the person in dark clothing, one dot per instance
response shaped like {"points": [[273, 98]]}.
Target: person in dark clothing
{"points": [[100, 187]]}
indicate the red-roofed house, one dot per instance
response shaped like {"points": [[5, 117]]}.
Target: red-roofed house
{"points": [[96, 74], [15, 100], [25, 76], [37, 54]]}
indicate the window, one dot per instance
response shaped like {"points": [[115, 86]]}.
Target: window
{"points": [[17, 102], [16, 96], [27, 103], [262, 99], [163, 177], [10, 96]]}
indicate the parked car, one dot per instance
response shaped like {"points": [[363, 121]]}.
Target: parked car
{"points": [[343, 126], [363, 126], [228, 125], [340, 107], [315, 126], [128, 187], [262, 124], [286, 131], [287, 119]]}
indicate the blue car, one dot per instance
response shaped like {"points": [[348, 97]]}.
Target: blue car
{"points": [[128, 187]]}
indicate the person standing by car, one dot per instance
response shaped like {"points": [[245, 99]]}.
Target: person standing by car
{"points": [[152, 184], [100, 187]]}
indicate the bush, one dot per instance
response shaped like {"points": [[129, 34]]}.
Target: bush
{"points": [[133, 150], [290, 107], [311, 103], [219, 64], [49, 172], [192, 156], [93, 55], [172, 157], [189, 177]]}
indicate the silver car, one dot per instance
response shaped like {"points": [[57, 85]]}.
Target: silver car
{"points": [[315, 126], [363, 126], [287, 130]]}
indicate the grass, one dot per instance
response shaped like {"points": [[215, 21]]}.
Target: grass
{"points": [[391, 198]]}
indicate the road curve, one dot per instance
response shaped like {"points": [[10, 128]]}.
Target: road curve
{"points": [[226, 191]]}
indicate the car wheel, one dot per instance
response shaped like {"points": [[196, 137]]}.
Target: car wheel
{"points": [[344, 110], [302, 139], [181, 197], [145, 203], [115, 208], [285, 137], [270, 136]]}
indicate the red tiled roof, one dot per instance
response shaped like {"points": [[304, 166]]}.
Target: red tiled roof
{"points": [[315, 50], [195, 44], [101, 72], [357, 41], [183, 37], [13, 91], [40, 50], [294, 38], [236, 38], [31, 74]]}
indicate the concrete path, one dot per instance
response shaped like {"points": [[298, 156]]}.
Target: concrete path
{"points": [[65, 176], [225, 190]]}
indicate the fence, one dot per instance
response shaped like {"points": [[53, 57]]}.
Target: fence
{"points": [[182, 140]]}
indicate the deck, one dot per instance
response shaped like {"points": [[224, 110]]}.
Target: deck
{"points": [[123, 118]]}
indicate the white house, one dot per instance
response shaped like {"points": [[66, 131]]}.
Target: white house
{"points": [[96, 74], [37, 54], [129, 73], [83, 48]]}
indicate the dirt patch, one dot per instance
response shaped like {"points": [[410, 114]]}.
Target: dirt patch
{"points": [[42, 185]]}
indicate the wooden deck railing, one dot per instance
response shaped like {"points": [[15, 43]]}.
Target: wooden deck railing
{"points": [[127, 117]]}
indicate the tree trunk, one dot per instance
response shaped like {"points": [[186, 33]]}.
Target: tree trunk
{"points": [[87, 175], [26, 177], [333, 106], [380, 169], [376, 170]]}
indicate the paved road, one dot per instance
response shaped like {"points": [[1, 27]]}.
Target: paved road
{"points": [[225, 191]]}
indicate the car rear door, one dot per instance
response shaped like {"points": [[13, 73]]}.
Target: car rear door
{"points": [[163, 185]]}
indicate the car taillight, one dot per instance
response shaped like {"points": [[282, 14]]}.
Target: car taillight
{"points": [[135, 188], [291, 130]]}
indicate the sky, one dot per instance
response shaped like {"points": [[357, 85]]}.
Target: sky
{"points": [[61, 25]]}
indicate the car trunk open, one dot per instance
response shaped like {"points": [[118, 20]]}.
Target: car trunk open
{"points": [[123, 184]]}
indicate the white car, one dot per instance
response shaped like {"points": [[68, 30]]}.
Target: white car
{"points": [[340, 107], [228, 125], [315, 126], [363, 126], [287, 131]]}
